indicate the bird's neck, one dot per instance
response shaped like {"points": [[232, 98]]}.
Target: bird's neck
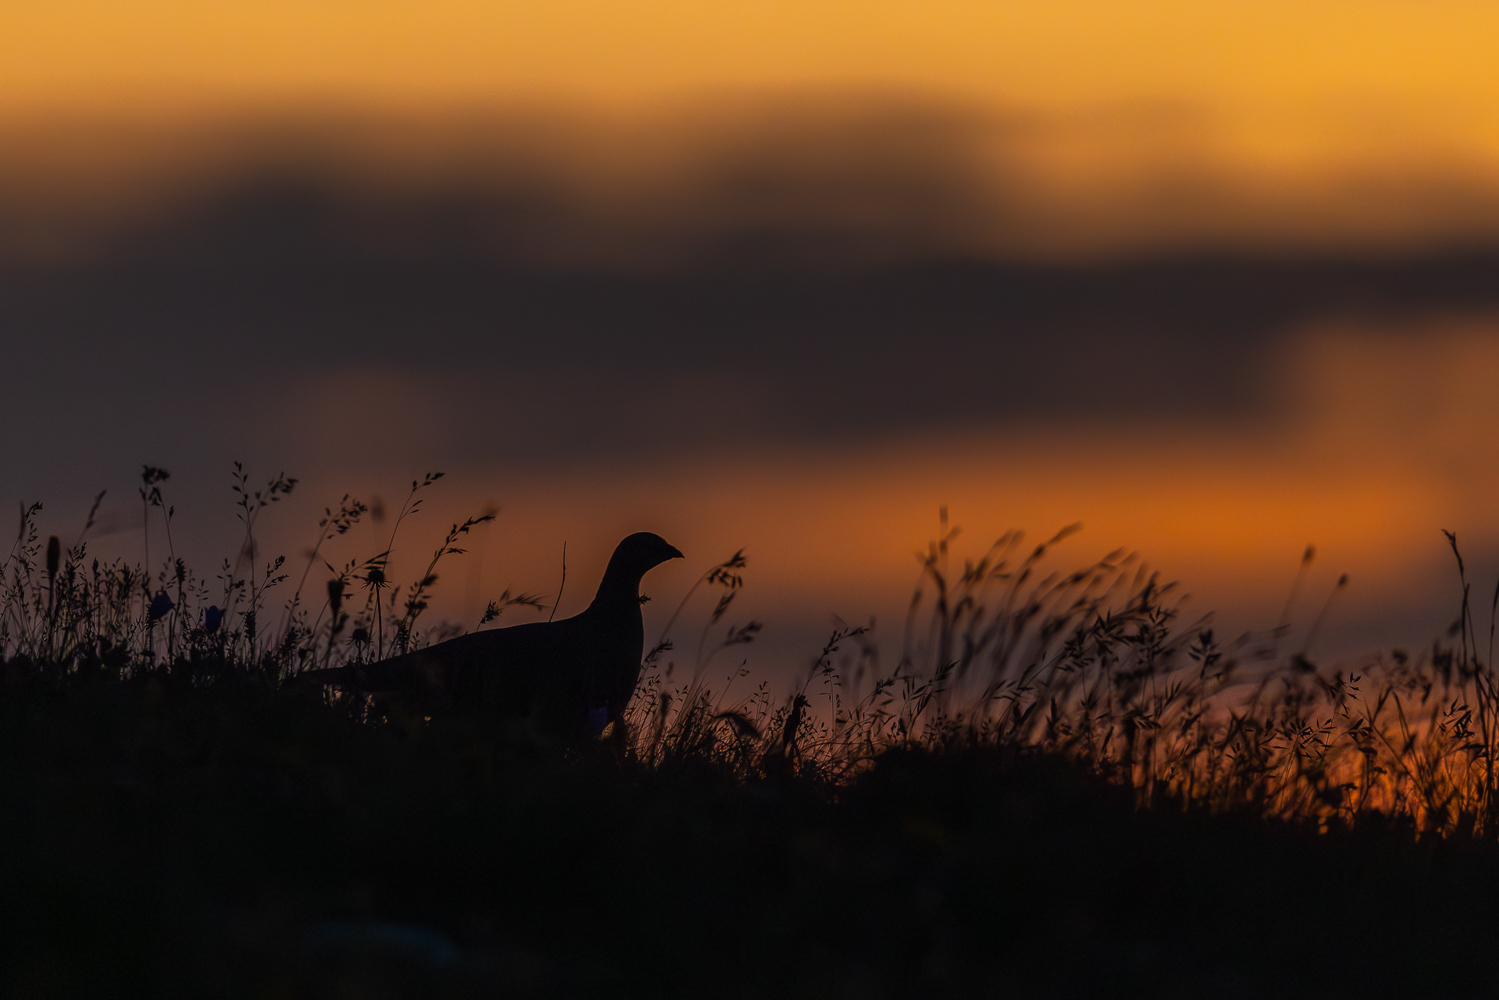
{"points": [[619, 590]]}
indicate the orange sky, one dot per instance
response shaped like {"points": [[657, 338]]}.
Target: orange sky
{"points": [[1384, 438], [1124, 123], [1255, 58], [1364, 123]]}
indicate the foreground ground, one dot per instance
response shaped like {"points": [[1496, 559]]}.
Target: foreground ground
{"points": [[159, 840]]}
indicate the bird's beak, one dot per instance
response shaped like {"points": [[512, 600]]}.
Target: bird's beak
{"points": [[675, 553]]}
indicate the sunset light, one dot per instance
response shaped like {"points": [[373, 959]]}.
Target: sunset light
{"points": [[745, 498]]}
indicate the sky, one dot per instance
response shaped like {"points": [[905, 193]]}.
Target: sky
{"points": [[1215, 280]]}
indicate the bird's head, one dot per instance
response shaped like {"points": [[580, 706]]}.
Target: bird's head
{"points": [[642, 551]]}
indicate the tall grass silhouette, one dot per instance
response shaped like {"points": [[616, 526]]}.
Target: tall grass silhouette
{"points": [[1094, 665], [1061, 786]]}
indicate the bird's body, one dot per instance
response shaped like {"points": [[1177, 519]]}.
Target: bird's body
{"points": [[563, 679]]}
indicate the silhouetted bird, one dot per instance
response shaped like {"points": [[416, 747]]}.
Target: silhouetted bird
{"points": [[566, 679]]}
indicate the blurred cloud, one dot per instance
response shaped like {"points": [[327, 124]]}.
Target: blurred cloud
{"points": [[478, 307], [831, 178]]}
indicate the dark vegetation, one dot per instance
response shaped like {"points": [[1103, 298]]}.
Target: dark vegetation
{"points": [[1061, 789]]}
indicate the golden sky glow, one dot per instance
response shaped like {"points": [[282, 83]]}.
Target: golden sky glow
{"points": [[1280, 80], [1075, 124], [1239, 54], [1123, 123], [1384, 439]]}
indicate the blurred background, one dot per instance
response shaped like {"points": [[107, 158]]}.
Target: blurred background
{"points": [[1216, 281]]}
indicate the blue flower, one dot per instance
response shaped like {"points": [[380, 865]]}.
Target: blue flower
{"points": [[213, 618], [160, 605]]}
